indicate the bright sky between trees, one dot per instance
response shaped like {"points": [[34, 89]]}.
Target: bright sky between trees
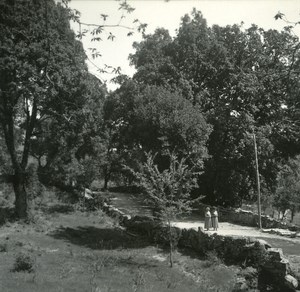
{"points": [[167, 14]]}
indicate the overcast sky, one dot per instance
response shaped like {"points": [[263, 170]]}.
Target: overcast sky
{"points": [[167, 14]]}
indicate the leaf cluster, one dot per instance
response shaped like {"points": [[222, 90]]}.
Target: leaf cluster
{"points": [[168, 190]]}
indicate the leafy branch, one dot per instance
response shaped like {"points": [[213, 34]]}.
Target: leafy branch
{"points": [[96, 30]]}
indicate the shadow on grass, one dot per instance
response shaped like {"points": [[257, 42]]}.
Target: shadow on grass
{"points": [[100, 238], [185, 251], [58, 208]]}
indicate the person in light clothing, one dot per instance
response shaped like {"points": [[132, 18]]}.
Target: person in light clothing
{"points": [[207, 222], [214, 219]]}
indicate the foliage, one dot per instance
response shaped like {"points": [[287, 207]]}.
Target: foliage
{"points": [[287, 195], [65, 145], [50, 105], [40, 66], [168, 190], [152, 118], [242, 80], [24, 263], [200, 94], [164, 119]]}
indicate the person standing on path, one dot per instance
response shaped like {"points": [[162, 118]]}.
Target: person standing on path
{"points": [[207, 222], [215, 219]]}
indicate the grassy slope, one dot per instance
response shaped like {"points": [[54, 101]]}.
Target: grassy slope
{"points": [[79, 251]]}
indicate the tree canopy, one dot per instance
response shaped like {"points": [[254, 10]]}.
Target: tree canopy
{"points": [[200, 95], [242, 80], [42, 66]]}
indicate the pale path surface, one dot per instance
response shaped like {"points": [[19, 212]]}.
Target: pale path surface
{"points": [[226, 228]]}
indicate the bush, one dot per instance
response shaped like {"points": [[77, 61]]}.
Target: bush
{"points": [[24, 263], [250, 275], [212, 259]]}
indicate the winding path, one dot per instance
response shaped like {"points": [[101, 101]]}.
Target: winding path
{"points": [[135, 205]]}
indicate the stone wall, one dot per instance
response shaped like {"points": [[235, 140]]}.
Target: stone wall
{"points": [[245, 251]]}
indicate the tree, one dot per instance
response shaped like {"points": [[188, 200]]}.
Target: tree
{"points": [[287, 195], [68, 147], [47, 107], [86, 144], [241, 79], [40, 66], [168, 190], [153, 118]]}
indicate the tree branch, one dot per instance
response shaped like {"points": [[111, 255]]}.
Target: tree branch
{"points": [[106, 25]]}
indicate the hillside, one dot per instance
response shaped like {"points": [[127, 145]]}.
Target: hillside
{"points": [[64, 249]]}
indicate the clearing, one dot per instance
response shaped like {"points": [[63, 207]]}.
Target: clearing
{"points": [[71, 250]]}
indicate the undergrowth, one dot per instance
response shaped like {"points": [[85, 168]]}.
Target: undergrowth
{"points": [[24, 262]]}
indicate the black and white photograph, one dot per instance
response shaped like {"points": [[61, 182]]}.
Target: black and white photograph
{"points": [[149, 145]]}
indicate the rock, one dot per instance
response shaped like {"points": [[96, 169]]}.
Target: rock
{"points": [[275, 254], [285, 232], [276, 266], [126, 217], [105, 207], [241, 285], [281, 232], [264, 243], [291, 282], [124, 220], [200, 229]]}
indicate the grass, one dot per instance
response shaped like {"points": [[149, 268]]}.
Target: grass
{"points": [[68, 250]]}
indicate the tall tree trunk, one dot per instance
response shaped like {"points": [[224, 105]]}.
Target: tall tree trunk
{"points": [[8, 126], [105, 182], [21, 201], [292, 214]]}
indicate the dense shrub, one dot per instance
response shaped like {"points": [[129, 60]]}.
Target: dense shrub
{"points": [[23, 263]]}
